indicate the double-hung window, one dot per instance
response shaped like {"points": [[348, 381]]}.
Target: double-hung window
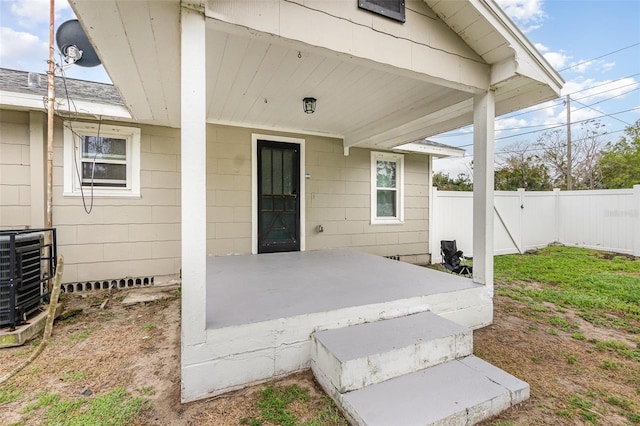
{"points": [[387, 187], [101, 159]]}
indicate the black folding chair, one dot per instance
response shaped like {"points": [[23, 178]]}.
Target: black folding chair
{"points": [[453, 260]]}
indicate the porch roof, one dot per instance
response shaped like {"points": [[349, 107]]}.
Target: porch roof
{"points": [[379, 84]]}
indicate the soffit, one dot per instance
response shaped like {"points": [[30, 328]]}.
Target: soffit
{"points": [[258, 79]]}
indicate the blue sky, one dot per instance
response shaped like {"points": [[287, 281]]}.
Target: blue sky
{"points": [[569, 33]]}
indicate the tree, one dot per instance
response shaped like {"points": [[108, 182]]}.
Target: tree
{"points": [[620, 162], [519, 167], [586, 145], [444, 182]]}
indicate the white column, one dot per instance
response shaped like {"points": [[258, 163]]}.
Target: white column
{"points": [[636, 220], [521, 218], [433, 193], [557, 218], [38, 165], [483, 150], [194, 174]]}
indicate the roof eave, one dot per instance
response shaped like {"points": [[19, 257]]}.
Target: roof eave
{"points": [[434, 151], [554, 79], [31, 102]]}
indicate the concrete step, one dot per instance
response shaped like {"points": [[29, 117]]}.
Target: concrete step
{"points": [[354, 357], [460, 392]]}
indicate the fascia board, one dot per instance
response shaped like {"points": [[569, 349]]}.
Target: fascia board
{"points": [[36, 102], [526, 55]]}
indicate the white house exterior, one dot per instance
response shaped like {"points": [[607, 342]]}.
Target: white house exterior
{"points": [[212, 88]]}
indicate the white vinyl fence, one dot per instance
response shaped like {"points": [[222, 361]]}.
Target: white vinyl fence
{"points": [[600, 219]]}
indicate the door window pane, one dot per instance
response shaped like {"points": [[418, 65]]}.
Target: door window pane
{"points": [[287, 172], [277, 171], [266, 171]]}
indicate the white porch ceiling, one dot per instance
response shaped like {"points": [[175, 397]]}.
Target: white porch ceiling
{"points": [[261, 83], [258, 79]]}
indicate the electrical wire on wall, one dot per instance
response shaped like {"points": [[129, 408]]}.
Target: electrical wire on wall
{"points": [[71, 114], [77, 147]]}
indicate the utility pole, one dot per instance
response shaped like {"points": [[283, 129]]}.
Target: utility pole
{"points": [[50, 116], [569, 159]]}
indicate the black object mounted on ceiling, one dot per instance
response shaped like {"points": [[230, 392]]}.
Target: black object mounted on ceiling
{"points": [[393, 9], [75, 46]]}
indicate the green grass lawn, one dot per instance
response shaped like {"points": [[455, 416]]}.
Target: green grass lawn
{"points": [[603, 287], [567, 321]]}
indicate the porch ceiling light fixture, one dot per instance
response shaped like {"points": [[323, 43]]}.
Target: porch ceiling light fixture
{"points": [[309, 105]]}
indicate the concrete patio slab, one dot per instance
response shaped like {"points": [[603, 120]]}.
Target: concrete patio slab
{"points": [[255, 288]]}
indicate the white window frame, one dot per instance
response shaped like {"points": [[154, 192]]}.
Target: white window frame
{"points": [[399, 160], [72, 160]]}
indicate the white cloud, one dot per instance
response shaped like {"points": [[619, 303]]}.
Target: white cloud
{"points": [[589, 97], [581, 115], [541, 47], [22, 50], [453, 166], [509, 124], [528, 14], [583, 66], [557, 60], [607, 66], [31, 13], [590, 90]]}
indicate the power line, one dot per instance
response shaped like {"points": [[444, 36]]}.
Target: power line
{"points": [[507, 151], [608, 115], [599, 57], [605, 83], [554, 127], [608, 99], [635, 83], [527, 111], [449, 135], [564, 124], [578, 109]]}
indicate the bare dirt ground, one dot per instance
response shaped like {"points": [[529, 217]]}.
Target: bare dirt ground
{"points": [[138, 347], [572, 381]]}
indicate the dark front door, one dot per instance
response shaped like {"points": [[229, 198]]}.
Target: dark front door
{"points": [[278, 197]]}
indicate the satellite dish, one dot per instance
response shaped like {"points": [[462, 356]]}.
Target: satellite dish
{"points": [[75, 46]]}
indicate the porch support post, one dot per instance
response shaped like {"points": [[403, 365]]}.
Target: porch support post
{"points": [[483, 150], [636, 220], [193, 176]]}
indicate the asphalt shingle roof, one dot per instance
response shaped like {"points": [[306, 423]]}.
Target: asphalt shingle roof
{"points": [[18, 82]]}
